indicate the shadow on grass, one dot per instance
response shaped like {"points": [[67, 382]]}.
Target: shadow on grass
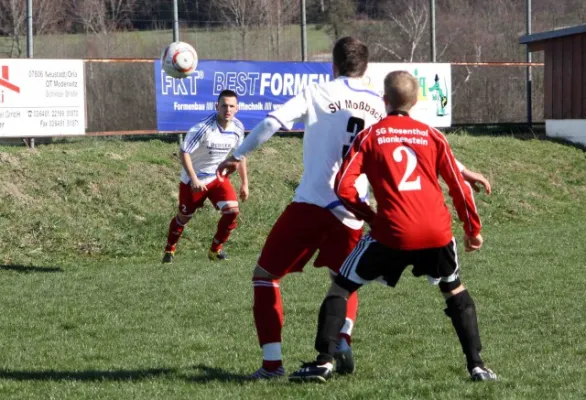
{"points": [[211, 374], [27, 269], [92, 375]]}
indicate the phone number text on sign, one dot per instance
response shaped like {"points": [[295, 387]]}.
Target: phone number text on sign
{"points": [[42, 98]]}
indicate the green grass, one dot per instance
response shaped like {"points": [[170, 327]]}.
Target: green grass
{"points": [[89, 313], [214, 44]]}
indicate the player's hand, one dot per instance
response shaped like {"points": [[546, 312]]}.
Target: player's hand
{"points": [[475, 179], [227, 167], [244, 192], [473, 243], [198, 186]]}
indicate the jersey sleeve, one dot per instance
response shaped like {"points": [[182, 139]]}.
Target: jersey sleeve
{"points": [[293, 110], [257, 136], [194, 137], [351, 169], [458, 189], [239, 131]]}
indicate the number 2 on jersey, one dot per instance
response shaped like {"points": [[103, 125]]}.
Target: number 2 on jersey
{"points": [[355, 125], [406, 184]]}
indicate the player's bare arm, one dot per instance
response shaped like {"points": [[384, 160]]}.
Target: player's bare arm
{"points": [[476, 179], [196, 184], [242, 171], [259, 135], [227, 167]]}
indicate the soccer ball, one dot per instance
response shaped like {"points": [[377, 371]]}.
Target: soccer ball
{"points": [[179, 60]]}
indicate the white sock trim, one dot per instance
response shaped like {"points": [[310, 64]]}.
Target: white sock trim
{"points": [[348, 326], [272, 352]]}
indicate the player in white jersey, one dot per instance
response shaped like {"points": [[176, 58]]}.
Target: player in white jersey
{"points": [[205, 146], [333, 113]]}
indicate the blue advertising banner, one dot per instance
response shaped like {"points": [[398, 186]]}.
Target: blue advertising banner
{"points": [[261, 86], [264, 86]]}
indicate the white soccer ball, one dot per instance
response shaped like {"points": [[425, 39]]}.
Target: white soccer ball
{"points": [[179, 60]]}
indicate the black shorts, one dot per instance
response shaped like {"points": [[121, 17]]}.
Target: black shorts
{"points": [[370, 261]]}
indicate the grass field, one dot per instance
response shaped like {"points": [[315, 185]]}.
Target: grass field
{"points": [[88, 312]]}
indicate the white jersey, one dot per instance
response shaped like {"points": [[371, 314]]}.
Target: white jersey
{"points": [[333, 113], [208, 145]]}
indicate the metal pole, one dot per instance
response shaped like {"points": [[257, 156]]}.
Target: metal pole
{"points": [[29, 44], [176, 39], [29, 28], [529, 75], [432, 28], [175, 20], [303, 32]]}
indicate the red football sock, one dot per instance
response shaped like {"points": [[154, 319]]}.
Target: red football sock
{"points": [[175, 231], [351, 311], [268, 316], [226, 225]]}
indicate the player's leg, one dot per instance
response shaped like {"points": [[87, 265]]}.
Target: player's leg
{"points": [[189, 202], [331, 318], [461, 310], [268, 319], [332, 253], [291, 243], [363, 265], [223, 196]]}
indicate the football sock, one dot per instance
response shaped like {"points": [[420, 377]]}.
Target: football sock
{"points": [[175, 231], [226, 225], [330, 321], [268, 319], [271, 356], [462, 312], [351, 311]]}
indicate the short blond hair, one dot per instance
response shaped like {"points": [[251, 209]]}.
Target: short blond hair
{"points": [[401, 90]]}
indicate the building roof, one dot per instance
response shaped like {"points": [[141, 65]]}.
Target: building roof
{"points": [[538, 37]]}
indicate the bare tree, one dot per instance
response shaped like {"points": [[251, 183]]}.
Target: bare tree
{"points": [[12, 20], [339, 14], [47, 15], [120, 11], [243, 15], [280, 13], [409, 18], [100, 18]]}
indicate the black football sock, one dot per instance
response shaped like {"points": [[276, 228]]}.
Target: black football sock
{"points": [[332, 316], [462, 312]]}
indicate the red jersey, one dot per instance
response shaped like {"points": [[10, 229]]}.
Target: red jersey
{"points": [[402, 159]]}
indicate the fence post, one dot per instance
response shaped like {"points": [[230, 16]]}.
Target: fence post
{"points": [[529, 72], [432, 28], [29, 44], [175, 39], [303, 22]]}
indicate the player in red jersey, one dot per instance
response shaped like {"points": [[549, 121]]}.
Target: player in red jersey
{"points": [[402, 159]]}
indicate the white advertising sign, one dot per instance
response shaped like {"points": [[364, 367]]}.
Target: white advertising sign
{"points": [[41, 98], [434, 106]]}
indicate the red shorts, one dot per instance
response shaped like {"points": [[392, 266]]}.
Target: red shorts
{"points": [[299, 232], [218, 193]]}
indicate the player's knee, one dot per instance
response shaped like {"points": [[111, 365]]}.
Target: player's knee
{"points": [[460, 303], [338, 291], [230, 214], [183, 219], [261, 273], [451, 288]]}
